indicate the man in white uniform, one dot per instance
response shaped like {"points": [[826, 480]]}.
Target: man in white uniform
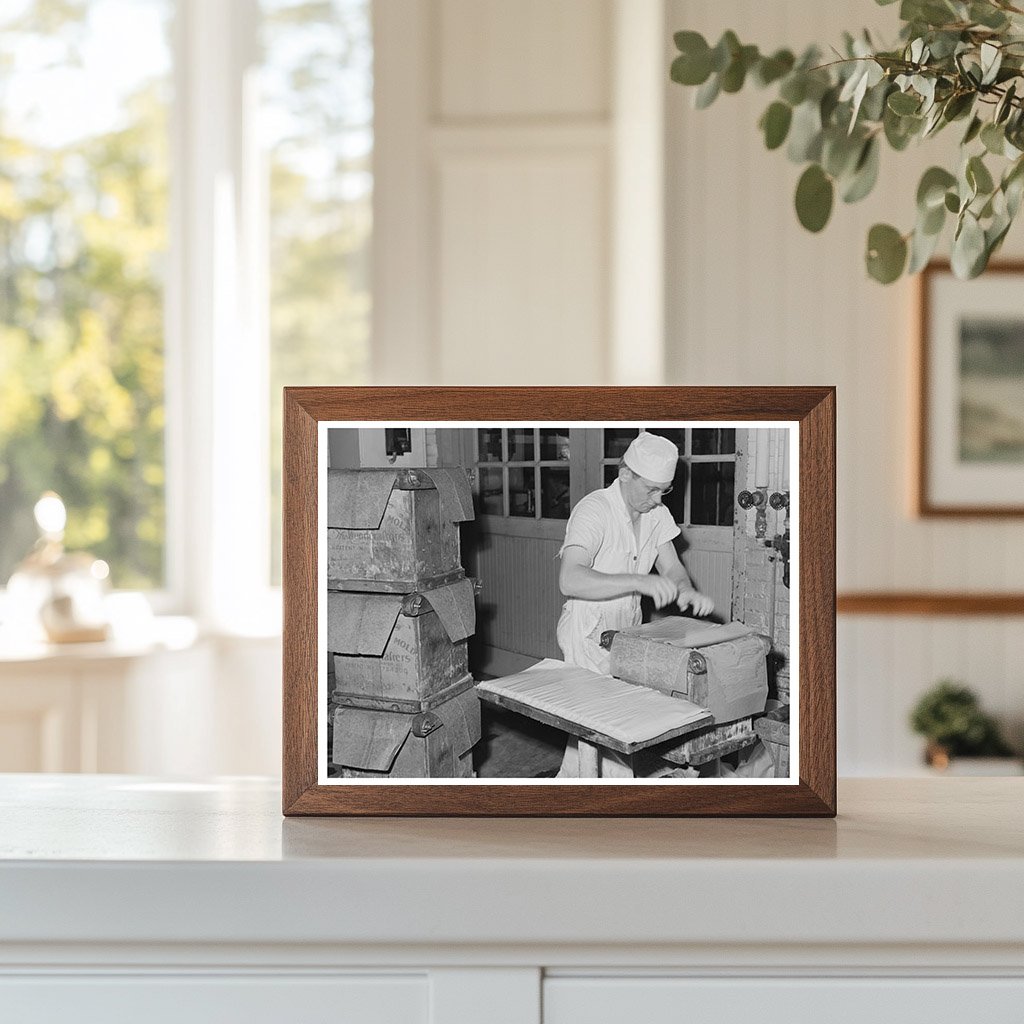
{"points": [[612, 540]]}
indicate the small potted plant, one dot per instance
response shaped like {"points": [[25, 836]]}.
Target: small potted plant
{"points": [[950, 717]]}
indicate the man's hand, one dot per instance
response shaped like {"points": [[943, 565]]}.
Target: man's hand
{"points": [[700, 603], [660, 590]]}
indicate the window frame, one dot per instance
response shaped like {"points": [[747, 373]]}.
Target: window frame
{"points": [[686, 455], [217, 438]]}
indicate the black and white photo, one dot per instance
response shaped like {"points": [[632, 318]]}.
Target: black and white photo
{"points": [[541, 603]]}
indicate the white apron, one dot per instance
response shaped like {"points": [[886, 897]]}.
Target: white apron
{"points": [[600, 524]]}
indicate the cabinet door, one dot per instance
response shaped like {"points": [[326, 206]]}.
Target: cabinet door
{"points": [[570, 1000], [206, 999]]}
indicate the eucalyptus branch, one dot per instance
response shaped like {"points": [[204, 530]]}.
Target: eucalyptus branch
{"points": [[834, 116]]}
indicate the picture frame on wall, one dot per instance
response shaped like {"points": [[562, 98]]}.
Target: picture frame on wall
{"points": [[970, 382], [559, 601]]}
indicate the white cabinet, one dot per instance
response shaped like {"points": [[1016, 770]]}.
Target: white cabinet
{"points": [[204, 999], [127, 898], [824, 1000]]}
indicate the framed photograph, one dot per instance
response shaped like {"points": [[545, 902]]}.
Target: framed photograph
{"points": [[970, 450], [559, 601]]}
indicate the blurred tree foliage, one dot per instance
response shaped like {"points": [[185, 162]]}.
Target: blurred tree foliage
{"points": [[82, 240], [82, 229]]}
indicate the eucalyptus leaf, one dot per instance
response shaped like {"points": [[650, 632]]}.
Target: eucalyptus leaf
{"points": [[944, 44], [993, 138], [865, 174], [995, 233], [930, 12], [724, 51], [1004, 106], [1013, 191], [688, 41], [1013, 187], [991, 60], [987, 15], [771, 69], [966, 188], [933, 122], [958, 105], [978, 176], [873, 106], [903, 103], [925, 88], [707, 93], [886, 253], [952, 202], [794, 88], [932, 221], [814, 195], [922, 248], [828, 104], [805, 133], [900, 130], [735, 74], [775, 124], [987, 210], [840, 152], [687, 71], [931, 190], [968, 247], [973, 129]]}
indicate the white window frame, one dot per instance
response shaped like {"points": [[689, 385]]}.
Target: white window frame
{"points": [[217, 349]]}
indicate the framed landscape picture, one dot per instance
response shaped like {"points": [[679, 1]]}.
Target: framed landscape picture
{"points": [[559, 601], [970, 450]]}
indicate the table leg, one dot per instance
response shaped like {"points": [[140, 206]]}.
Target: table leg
{"points": [[590, 760]]}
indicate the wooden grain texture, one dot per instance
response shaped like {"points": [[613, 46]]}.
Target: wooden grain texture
{"points": [[813, 407], [299, 597], [929, 603], [923, 504]]}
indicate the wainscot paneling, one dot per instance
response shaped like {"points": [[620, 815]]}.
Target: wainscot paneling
{"points": [[519, 574]]}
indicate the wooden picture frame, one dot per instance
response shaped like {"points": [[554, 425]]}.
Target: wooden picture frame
{"points": [[809, 415], [969, 448]]}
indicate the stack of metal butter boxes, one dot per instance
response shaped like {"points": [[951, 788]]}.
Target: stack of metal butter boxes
{"points": [[399, 613]]}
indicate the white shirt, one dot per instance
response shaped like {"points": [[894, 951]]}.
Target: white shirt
{"points": [[600, 524]]}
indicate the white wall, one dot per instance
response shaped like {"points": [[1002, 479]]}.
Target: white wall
{"points": [[752, 298]]}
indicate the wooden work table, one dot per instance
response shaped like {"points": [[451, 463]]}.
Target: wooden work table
{"points": [[124, 893]]}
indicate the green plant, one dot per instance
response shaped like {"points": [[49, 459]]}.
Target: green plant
{"points": [[956, 61], [950, 717]]}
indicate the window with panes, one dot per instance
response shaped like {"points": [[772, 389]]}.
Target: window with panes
{"points": [[524, 472], [704, 485]]}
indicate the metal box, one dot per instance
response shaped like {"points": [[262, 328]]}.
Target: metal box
{"points": [[395, 530], [397, 652], [721, 668], [435, 744]]}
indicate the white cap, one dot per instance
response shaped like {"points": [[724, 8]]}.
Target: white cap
{"points": [[652, 457]]}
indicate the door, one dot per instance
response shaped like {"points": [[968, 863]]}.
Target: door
{"points": [[528, 478]]}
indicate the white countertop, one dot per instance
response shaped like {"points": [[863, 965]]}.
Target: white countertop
{"points": [[122, 859]]}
